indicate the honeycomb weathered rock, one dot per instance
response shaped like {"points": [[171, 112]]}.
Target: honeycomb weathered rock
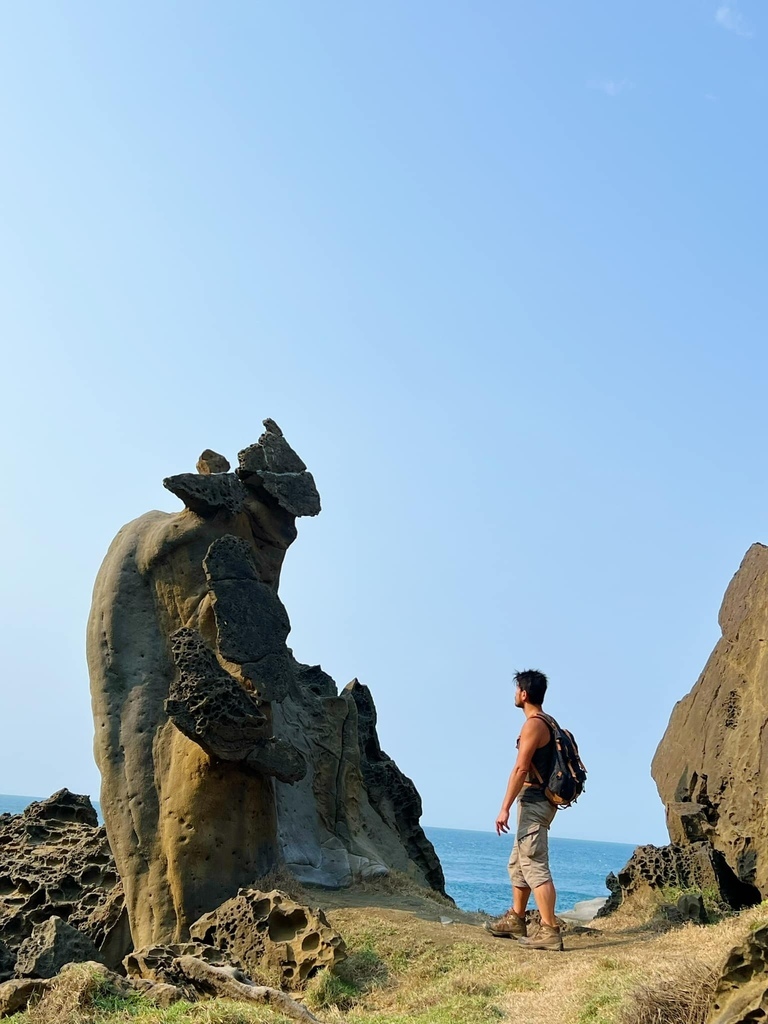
{"points": [[51, 945], [270, 930], [741, 994], [56, 861]]}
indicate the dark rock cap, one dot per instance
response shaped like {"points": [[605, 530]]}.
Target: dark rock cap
{"points": [[211, 462]]}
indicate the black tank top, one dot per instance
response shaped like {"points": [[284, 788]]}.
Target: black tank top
{"points": [[542, 761]]}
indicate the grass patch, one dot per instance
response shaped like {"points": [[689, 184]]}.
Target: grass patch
{"points": [[403, 968], [715, 907], [601, 1008], [682, 997], [83, 994]]}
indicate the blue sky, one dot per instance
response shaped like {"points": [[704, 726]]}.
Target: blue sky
{"points": [[497, 269]]}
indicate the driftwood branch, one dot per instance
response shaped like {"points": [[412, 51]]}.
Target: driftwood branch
{"points": [[230, 983]]}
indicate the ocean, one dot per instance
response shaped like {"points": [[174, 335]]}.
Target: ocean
{"points": [[475, 867], [475, 864]]}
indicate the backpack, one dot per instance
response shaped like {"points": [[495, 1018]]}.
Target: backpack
{"points": [[567, 775]]}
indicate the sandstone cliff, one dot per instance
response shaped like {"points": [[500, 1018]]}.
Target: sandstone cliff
{"points": [[711, 767], [221, 756]]}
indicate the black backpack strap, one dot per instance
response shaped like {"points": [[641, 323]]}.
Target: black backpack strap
{"points": [[553, 726]]}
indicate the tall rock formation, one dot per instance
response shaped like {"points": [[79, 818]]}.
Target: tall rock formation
{"points": [[711, 767], [221, 756]]}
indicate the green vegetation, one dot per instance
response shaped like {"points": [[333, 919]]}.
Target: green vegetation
{"points": [[714, 906]]}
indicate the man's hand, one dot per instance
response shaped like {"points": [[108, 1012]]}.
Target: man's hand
{"points": [[502, 822]]}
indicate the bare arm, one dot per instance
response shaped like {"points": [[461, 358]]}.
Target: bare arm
{"points": [[533, 733]]}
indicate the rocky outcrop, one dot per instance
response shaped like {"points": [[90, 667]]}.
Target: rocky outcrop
{"points": [[56, 862], [711, 767], [221, 756], [391, 793], [15, 995], [696, 866], [50, 946], [270, 931], [741, 993], [615, 899], [157, 964], [354, 815]]}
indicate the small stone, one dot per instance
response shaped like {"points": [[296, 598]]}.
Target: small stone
{"points": [[691, 907], [211, 462]]}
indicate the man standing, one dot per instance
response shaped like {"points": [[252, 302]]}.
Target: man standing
{"points": [[529, 862]]}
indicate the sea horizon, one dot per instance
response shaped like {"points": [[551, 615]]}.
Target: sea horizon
{"points": [[12, 798], [474, 863]]}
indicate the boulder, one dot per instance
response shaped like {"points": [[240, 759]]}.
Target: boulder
{"points": [[691, 908], [57, 862], [741, 993], [15, 995], [711, 767], [211, 462], [268, 930], [51, 945], [221, 756]]}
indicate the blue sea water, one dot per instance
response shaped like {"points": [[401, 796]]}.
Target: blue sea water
{"points": [[475, 864], [475, 867]]}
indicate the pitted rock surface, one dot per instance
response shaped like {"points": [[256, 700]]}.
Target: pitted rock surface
{"points": [[711, 767], [208, 494], [741, 994], [155, 964], [56, 861], [268, 929], [696, 866], [51, 945], [221, 756]]}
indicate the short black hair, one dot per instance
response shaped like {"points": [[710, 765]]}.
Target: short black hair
{"points": [[534, 683]]}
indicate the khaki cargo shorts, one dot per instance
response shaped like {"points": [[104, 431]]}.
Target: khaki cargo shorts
{"points": [[529, 861]]}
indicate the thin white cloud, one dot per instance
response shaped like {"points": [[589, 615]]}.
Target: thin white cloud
{"points": [[730, 18], [611, 86]]}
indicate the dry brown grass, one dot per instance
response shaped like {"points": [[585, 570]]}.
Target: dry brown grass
{"points": [[397, 883], [70, 998], [403, 967]]}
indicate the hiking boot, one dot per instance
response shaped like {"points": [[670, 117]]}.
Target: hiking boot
{"points": [[547, 937], [508, 926]]}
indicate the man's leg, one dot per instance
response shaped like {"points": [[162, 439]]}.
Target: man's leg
{"points": [[545, 897], [511, 924], [534, 859], [520, 896]]}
